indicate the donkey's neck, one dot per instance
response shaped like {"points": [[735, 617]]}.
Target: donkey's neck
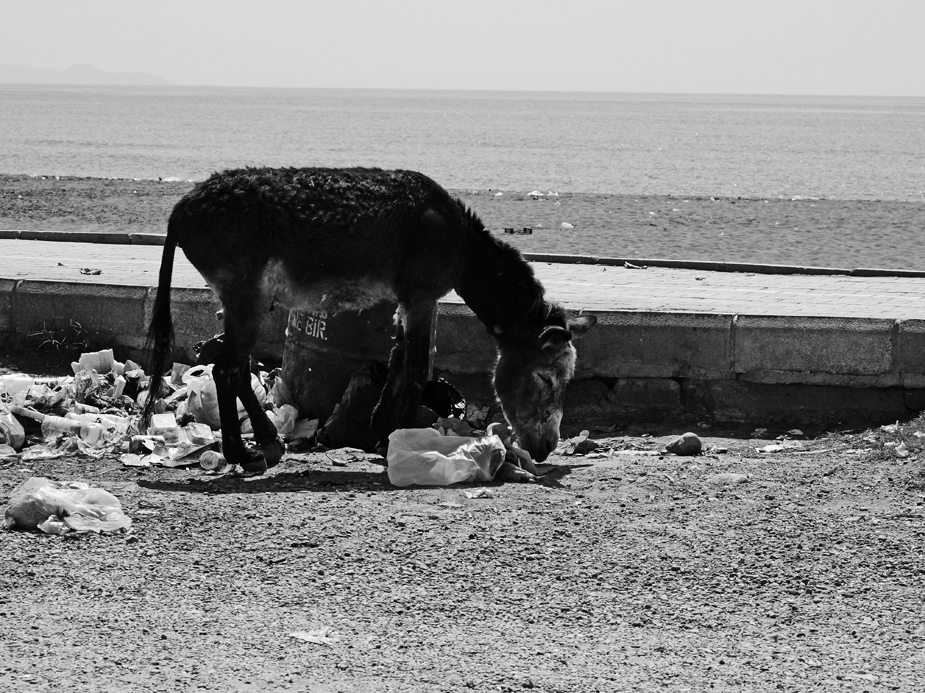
{"points": [[498, 284]]}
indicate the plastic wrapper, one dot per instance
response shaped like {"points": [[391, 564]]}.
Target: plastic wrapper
{"points": [[11, 431], [100, 361], [422, 456], [77, 505], [202, 398], [284, 418]]}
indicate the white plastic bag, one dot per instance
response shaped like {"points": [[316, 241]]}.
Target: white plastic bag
{"points": [[79, 506], [202, 399], [425, 457], [284, 418], [11, 431]]}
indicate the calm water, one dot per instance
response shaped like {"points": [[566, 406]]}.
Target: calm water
{"points": [[750, 146]]}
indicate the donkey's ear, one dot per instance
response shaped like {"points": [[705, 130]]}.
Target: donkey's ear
{"points": [[579, 326], [554, 337]]}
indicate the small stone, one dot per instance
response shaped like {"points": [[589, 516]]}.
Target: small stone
{"points": [[728, 479], [687, 444]]}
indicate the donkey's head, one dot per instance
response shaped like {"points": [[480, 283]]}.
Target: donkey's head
{"points": [[531, 376]]}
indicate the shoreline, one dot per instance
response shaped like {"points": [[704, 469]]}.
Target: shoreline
{"points": [[797, 231]]}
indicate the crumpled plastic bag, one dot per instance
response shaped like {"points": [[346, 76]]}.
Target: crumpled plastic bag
{"points": [[284, 418], [202, 398], [11, 431], [425, 457], [77, 505]]}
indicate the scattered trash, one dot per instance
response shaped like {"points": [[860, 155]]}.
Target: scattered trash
{"points": [[59, 506], [425, 457], [476, 416], [758, 432], [454, 426], [32, 454], [580, 445], [145, 443], [202, 398], [134, 460], [322, 636], [303, 429], [102, 362], [165, 425], [97, 411], [12, 383], [794, 432], [630, 265], [780, 447], [90, 271], [687, 444], [213, 461], [11, 431], [90, 432], [890, 428], [481, 493], [284, 418]]}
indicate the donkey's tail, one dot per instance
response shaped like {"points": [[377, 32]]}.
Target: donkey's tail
{"points": [[159, 343]]}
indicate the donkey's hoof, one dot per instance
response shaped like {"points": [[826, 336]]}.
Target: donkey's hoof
{"points": [[255, 464], [255, 467], [272, 452]]}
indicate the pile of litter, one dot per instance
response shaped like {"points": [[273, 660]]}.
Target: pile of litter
{"points": [[97, 411]]}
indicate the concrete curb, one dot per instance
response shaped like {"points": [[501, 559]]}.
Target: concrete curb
{"points": [[117, 238], [640, 365], [706, 265], [778, 369]]}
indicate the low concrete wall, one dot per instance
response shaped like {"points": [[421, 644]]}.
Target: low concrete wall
{"points": [[743, 369], [765, 370]]}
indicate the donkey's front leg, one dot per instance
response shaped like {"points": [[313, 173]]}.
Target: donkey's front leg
{"points": [[409, 368]]}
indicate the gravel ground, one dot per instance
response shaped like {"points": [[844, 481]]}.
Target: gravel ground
{"points": [[620, 571]]}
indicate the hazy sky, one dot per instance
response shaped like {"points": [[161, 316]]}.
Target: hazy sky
{"points": [[863, 47]]}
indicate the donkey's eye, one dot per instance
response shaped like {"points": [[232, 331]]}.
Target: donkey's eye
{"points": [[546, 380]]}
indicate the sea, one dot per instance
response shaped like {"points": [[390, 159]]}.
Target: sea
{"points": [[847, 148]]}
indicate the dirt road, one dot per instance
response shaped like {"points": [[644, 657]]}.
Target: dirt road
{"points": [[625, 571]]}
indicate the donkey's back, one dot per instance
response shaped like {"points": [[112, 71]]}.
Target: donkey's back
{"points": [[322, 238]]}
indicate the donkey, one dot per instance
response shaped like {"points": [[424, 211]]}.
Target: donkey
{"points": [[324, 239]]}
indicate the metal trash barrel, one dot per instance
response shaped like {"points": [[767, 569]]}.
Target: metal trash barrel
{"points": [[322, 351]]}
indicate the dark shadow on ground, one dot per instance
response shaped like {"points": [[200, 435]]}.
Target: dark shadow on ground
{"points": [[322, 481]]}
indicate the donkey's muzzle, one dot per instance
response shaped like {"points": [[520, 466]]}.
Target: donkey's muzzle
{"points": [[539, 445]]}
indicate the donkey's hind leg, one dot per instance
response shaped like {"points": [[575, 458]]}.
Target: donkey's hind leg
{"points": [[265, 434], [232, 380], [409, 368]]}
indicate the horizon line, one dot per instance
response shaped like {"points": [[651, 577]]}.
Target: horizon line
{"points": [[460, 90]]}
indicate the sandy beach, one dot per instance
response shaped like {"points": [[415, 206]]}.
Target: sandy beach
{"points": [[804, 232]]}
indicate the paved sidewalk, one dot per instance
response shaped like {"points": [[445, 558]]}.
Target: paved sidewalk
{"points": [[592, 287]]}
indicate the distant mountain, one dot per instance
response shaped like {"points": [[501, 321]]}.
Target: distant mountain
{"points": [[78, 74]]}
